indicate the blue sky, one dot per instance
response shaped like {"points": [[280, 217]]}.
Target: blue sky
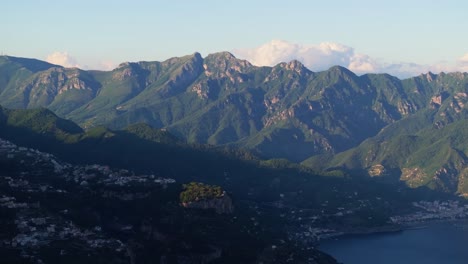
{"points": [[395, 36]]}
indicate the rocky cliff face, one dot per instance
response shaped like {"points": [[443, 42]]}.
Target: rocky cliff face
{"points": [[222, 205]]}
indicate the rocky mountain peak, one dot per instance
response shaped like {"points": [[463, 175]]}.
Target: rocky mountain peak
{"points": [[197, 56], [430, 76], [126, 70], [224, 62], [341, 70], [293, 65], [224, 55], [193, 66], [123, 65], [458, 75], [196, 59]]}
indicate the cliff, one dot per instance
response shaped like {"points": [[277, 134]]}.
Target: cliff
{"points": [[222, 205]]}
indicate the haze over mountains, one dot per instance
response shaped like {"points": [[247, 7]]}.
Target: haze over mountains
{"points": [[376, 124]]}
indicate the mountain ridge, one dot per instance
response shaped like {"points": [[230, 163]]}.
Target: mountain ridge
{"points": [[284, 111]]}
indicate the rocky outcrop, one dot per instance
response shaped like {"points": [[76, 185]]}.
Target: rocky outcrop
{"points": [[225, 65], [376, 170], [125, 71], [44, 87], [222, 205], [414, 177]]}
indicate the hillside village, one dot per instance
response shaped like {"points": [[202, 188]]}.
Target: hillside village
{"points": [[34, 225]]}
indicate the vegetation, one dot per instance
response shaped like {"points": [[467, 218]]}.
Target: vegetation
{"points": [[332, 120], [412, 143], [197, 191], [285, 111]]}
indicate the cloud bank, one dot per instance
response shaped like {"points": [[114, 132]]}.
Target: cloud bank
{"points": [[63, 59], [324, 55], [66, 60]]}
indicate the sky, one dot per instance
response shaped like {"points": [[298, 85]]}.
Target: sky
{"points": [[403, 38]]}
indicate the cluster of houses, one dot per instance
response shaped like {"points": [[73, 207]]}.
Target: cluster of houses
{"points": [[310, 226], [81, 174], [35, 174], [433, 210]]}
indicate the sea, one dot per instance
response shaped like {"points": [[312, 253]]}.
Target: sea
{"points": [[435, 243]]}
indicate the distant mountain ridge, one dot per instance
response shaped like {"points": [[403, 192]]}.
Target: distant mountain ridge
{"points": [[284, 111]]}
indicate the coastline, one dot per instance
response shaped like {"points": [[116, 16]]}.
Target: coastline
{"points": [[391, 228], [361, 231]]}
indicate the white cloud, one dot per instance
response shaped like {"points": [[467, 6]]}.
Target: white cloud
{"points": [[324, 55], [66, 60], [463, 63], [315, 57], [464, 58], [62, 58], [361, 63], [106, 65]]}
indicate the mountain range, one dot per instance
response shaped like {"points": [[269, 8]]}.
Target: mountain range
{"points": [[375, 124]]}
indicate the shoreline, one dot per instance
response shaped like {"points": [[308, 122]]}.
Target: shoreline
{"points": [[361, 231], [393, 228]]}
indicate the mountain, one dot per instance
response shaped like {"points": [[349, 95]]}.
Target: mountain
{"points": [[285, 111], [426, 148], [417, 150]]}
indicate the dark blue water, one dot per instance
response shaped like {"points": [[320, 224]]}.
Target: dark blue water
{"points": [[435, 244]]}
